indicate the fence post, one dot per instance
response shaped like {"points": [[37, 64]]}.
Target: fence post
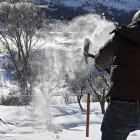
{"points": [[88, 111]]}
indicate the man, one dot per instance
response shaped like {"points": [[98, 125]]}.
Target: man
{"points": [[123, 113]]}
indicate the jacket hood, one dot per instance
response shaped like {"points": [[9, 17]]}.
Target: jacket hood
{"points": [[132, 32]]}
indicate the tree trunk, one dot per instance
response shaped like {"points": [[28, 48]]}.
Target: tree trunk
{"points": [[80, 104], [102, 102]]}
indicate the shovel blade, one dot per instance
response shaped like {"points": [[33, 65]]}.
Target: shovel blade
{"points": [[86, 49]]}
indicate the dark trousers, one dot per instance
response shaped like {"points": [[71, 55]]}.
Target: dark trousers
{"points": [[121, 118]]}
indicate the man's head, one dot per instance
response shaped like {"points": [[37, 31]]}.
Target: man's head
{"points": [[135, 20], [136, 17]]}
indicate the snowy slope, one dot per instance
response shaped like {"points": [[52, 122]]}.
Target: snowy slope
{"points": [[69, 123], [90, 5]]}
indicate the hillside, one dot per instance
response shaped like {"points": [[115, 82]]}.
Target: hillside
{"points": [[121, 10]]}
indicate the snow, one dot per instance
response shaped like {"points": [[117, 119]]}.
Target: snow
{"points": [[22, 123]]}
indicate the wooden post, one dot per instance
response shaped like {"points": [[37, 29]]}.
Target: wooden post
{"points": [[88, 111]]}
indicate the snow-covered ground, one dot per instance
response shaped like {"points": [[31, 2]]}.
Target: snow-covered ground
{"points": [[68, 123]]}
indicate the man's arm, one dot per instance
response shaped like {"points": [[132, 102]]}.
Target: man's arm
{"points": [[104, 56]]}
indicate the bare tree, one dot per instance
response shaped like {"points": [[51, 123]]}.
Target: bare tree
{"points": [[66, 96], [78, 84], [19, 23], [99, 86]]}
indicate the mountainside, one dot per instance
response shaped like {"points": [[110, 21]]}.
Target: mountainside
{"points": [[121, 10]]}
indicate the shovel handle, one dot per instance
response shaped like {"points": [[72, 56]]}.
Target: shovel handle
{"points": [[88, 111]]}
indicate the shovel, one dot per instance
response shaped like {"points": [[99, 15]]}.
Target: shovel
{"points": [[87, 44]]}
